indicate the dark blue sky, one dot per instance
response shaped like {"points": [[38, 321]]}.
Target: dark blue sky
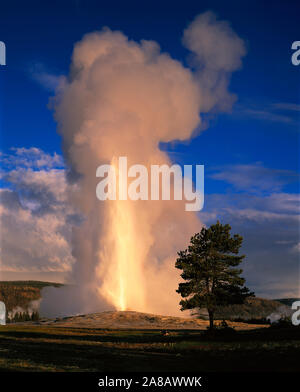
{"points": [[251, 155], [43, 34]]}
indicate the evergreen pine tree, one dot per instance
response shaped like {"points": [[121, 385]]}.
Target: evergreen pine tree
{"points": [[209, 266]]}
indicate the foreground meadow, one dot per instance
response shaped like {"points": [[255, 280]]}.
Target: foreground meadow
{"points": [[49, 348]]}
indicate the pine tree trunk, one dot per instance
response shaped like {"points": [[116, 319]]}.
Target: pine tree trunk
{"points": [[211, 320]]}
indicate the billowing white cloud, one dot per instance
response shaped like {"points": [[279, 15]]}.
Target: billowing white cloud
{"points": [[34, 213], [216, 51]]}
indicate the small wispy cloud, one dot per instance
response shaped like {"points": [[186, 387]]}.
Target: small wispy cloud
{"points": [[267, 115], [48, 80], [293, 107], [282, 112], [255, 178]]}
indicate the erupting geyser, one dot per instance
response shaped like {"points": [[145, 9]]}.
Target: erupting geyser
{"points": [[122, 99]]}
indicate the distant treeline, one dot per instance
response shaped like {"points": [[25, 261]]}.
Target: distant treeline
{"points": [[31, 283]]}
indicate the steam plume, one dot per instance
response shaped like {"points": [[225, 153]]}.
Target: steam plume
{"points": [[122, 99]]}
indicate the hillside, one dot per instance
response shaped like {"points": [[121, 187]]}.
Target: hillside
{"points": [[253, 308], [21, 293], [135, 320]]}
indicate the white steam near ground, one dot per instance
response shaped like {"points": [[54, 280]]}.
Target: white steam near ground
{"points": [[122, 98], [32, 307], [281, 312]]}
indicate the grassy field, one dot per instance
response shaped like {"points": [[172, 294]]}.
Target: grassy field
{"points": [[40, 348]]}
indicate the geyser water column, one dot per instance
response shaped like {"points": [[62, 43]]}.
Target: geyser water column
{"points": [[122, 278], [123, 98]]}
